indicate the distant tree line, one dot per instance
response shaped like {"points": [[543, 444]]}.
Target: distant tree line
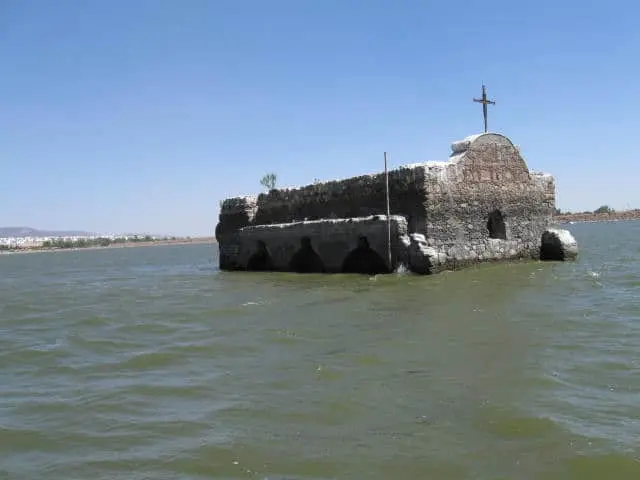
{"points": [[599, 210], [96, 242], [604, 209], [87, 242]]}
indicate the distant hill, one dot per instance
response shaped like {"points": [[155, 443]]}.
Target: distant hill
{"points": [[34, 232]]}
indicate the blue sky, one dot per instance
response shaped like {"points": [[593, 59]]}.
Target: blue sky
{"points": [[142, 115]]}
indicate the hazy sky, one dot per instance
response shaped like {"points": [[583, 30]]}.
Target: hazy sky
{"points": [[142, 115]]}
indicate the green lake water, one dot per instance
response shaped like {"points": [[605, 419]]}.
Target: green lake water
{"points": [[149, 363]]}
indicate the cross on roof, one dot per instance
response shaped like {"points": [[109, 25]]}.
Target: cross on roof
{"points": [[484, 103]]}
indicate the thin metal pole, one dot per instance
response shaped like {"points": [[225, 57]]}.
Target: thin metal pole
{"points": [[386, 176]]}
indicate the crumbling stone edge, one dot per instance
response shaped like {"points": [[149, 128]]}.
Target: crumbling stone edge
{"points": [[555, 245]]}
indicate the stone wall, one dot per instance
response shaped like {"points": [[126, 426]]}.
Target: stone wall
{"points": [[235, 213], [331, 240], [482, 204], [425, 258], [350, 198], [488, 177]]}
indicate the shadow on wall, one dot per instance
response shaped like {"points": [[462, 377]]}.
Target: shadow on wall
{"points": [[496, 225], [363, 259], [260, 261], [306, 260]]}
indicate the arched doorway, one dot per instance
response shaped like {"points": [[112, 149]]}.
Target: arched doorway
{"points": [[260, 261], [496, 225], [363, 259], [306, 260]]}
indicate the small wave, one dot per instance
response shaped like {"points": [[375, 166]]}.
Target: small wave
{"points": [[600, 466], [248, 304], [150, 360], [185, 390], [26, 439], [42, 355], [508, 424], [47, 347], [102, 345]]}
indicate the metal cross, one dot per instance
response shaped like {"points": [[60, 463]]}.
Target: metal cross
{"points": [[484, 103]]}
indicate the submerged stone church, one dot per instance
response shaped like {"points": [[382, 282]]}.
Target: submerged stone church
{"points": [[482, 204]]}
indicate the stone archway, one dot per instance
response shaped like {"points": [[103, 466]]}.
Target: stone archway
{"points": [[363, 259], [306, 260], [260, 261], [496, 226]]}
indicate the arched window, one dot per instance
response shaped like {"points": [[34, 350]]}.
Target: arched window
{"points": [[306, 260], [496, 225], [363, 259], [260, 260]]}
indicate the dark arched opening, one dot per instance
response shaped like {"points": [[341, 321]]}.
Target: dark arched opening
{"points": [[411, 224], [306, 260], [260, 260], [551, 247], [363, 259], [496, 225]]}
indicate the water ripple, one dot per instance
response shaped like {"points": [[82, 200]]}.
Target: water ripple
{"points": [[150, 363]]}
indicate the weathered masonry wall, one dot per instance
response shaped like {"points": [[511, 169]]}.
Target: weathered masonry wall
{"points": [[482, 204], [487, 182], [330, 242], [354, 197], [235, 213]]}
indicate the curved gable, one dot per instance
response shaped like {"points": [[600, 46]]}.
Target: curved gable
{"points": [[489, 157]]}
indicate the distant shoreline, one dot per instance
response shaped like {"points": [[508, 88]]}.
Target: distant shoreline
{"points": [[623, 216], [151, 243], [564, 218]]}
